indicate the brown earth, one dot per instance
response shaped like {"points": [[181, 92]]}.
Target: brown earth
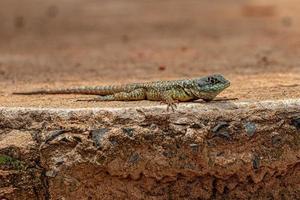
{"points": [[61, 43], [214, 151]]}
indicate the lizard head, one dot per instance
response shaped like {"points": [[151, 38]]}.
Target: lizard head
{"points": [[208, 87]]}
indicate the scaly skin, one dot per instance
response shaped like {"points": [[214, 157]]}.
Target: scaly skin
{"points": [[169, 92]]}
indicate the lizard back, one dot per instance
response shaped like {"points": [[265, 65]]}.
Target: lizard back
{"points": [[107, 89]]}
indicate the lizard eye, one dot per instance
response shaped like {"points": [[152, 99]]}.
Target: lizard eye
{"points": [[212, 80]]}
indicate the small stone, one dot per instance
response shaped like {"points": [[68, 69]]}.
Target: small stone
{"points": [[148, 136], [54, 134], [196, 126], [182, 121], [153, 126], [194, 147], [168, 154], [220, 130], [220, 126], [296, 122], [77, 139], [128, 131], [276, 140], [134, 158], [256, 162], [97, 135], [51, 173], [59, 161], [250, 128], [224, 134]]}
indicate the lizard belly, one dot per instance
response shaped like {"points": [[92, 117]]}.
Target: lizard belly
{"points": [[179, 95]]}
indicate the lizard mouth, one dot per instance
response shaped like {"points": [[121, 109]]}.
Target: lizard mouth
{"points": [[223, 85], [227, 84]]}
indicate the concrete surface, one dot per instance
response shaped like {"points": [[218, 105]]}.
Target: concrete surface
{"points": [[207, 151], [52, 147]]}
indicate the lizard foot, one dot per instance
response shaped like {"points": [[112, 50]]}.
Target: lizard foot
{"points": [[170, 104]]}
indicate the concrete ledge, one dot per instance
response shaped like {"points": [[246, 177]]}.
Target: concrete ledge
{"points": [[202, 150]]}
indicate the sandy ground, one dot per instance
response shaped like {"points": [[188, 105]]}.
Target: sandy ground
{"points": [[255, 44]]}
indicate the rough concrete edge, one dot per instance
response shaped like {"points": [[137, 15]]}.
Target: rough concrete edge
{"points": [[290, 105], [230, 105]]}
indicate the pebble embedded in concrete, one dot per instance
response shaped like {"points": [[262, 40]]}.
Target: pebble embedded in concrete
{"points": [[128, 131], [250, 128], [97, 135], [296, 122]]}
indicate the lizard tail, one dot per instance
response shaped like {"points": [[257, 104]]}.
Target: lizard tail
{"points": [[95, 90]]}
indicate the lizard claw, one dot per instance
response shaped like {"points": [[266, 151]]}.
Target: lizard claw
{"points": [[170, 104]]}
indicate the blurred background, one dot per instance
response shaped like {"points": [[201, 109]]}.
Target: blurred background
{"points": [[109, 41]]}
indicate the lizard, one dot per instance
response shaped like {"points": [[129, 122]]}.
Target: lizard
{"points": [[169, 92]]}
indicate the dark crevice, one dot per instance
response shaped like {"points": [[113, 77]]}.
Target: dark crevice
{"points": [[44, 194], [214, 189], [45, 185]]}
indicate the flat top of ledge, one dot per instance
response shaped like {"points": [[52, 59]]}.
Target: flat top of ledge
{"points": [[255, 88]]}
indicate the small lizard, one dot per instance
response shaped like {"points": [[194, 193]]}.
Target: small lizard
{"points": [[169, 92]]}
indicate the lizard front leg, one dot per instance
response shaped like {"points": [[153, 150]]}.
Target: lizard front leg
{"points": [[171, 97], [166, 97], [138, 94]]}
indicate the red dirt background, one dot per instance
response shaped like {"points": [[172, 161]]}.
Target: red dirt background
{"points": [[59, 43]]}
